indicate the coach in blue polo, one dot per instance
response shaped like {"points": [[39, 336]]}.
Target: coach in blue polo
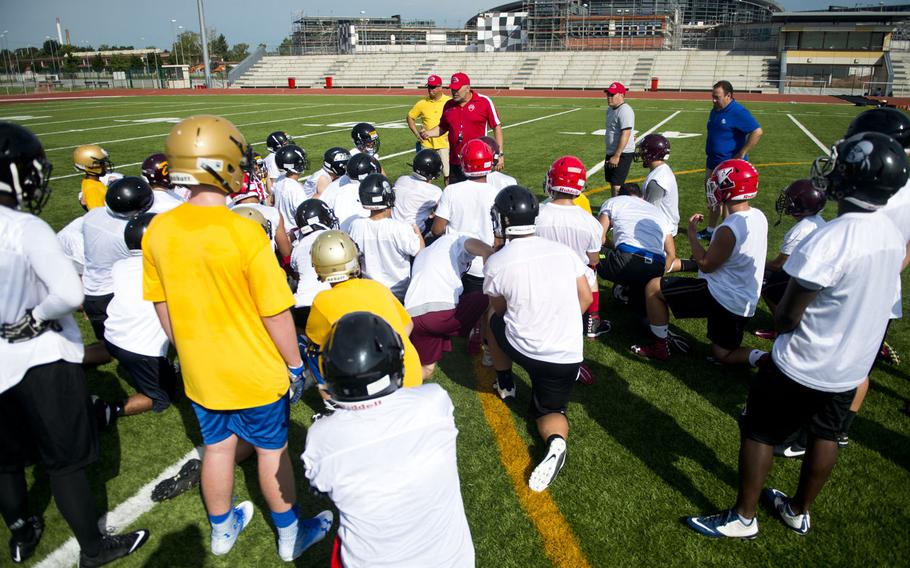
{"points": [[732, 132]]}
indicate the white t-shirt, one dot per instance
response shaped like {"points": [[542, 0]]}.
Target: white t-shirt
{"points": [[71, 240], [271, 167], [898, 210], [802, 229], [347, 206], [500, 180], [466, 206], [537, 277], [271, 215], [132, 323], [308, 283], [390, 466], [636, 223], [109, 178], [165, 200], [666, 197], [289, 194], [35, 273], [331, 190], [355, 150], [572, 226], [436, 276], [104, 245], [736, 284], [415, 199], [309, 184], [855, 261], [387, 246]]}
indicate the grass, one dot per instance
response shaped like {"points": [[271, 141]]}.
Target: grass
{"points": [[650, 443]]}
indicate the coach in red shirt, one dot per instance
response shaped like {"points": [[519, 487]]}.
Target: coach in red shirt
{"points": [[466, 117]]}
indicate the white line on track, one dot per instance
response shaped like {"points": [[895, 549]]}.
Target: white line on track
{"points": [[599, 166], [809, 134], [67, 554]]}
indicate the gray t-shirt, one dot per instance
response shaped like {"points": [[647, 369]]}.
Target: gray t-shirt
{"points": [[618, 119]]}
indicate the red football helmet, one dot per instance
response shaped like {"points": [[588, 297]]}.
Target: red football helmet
{"points": [[732, 180], [155, 171], [476, 158], [567, 175]]}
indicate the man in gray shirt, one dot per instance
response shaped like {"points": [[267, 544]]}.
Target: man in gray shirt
{"points": [[618, 138]]}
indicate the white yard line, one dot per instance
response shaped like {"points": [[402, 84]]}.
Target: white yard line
{"points": [[67, 554], [599, 166], [811, 136], [189, 107]]}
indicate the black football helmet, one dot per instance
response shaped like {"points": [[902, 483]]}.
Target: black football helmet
{"points": [[335, 161], [865, 169], [24, 169], [890, 121], [799, 199], [514, 212], [135, 230], [376, 193], [277, 139], [291, 159], [362, 165], [362, 359], [427, 164], [365, 137], [314, 215], [129, 196]]}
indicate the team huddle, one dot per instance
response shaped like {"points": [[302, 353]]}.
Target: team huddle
{"points": [[335, 278]]}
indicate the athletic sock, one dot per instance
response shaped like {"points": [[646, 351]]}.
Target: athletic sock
{"points": [[744, 520], [660, 331], [594, 308], [504, 379], [220, 519], [287, 518], [553, 437], [76, 503], [755, 355]]}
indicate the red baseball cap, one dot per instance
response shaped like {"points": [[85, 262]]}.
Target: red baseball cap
{"points": [[433, 81], [458, 81], [616, 89]]}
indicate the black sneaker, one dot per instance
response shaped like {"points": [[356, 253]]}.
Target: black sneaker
{"points": [[843, 440], [114, 547], [22, 550], [187, 478]]}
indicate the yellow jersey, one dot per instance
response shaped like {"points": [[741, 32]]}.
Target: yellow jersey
{"points": [[93, 193], [219, 276], [583, 202], [362, 295], [429, 113]]}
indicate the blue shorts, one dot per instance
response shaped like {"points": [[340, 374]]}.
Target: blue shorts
{"points": [[262, 426]]}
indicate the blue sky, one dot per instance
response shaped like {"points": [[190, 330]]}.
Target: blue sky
{"points": [[122, 22]]}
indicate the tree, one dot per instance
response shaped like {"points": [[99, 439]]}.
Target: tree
{"points": [[188, 48], [97, 63], [218, 48], [239, 52], [70, 65], [50, 47], [286, 47]]}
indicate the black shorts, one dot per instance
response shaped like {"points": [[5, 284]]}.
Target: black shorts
{"points": [[630, 270], [551, 383], [617, 176], [48, 418], [690, 298], [778, 406], [152, 376], [471, 283], [300, 315], [96, 310], [774, 286]]}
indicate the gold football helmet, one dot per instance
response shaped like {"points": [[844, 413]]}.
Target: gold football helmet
{"points": [[335, 257], [255, 215], [207, 150], [92, 159]]}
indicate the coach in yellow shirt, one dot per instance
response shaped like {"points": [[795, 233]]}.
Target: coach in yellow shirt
{"points": [[428, 111]]}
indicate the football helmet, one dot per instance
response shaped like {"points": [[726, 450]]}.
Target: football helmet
{"points": [[427, 164], [799, 199], [207, 150], [476, 158], [365, 137], [567, 175], [362, 165], [335, 257], [24, 169], [92, 159], [362, 359], [514, 212], [884, 120], [256, 216], [376, 193], [652, 148], [129, 196], [335, 161], [865, 169], [314, 215], [491, 142], [291, 159], [154, 170], [731, 180], [135, 230], [276, 140]]}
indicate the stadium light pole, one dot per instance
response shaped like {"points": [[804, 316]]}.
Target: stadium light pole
{"points": [[205, 45], [174, 33]]}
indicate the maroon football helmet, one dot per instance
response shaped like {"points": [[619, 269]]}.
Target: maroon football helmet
{"points": [[652, 148], [155, 171], [800, 199]]}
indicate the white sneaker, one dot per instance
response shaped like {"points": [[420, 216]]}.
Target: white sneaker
{"points": [[724, 524], [486, 359], [225, 534], [547, 470], [308, 532], [505, 394], [781, 503]]}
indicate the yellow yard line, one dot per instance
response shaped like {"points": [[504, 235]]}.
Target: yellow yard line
{"points": [[560, 543]]}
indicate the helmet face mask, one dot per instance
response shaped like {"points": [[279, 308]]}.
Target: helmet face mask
{"points": [[731, 180], [865, 169], [799, 199], [366, 138]]}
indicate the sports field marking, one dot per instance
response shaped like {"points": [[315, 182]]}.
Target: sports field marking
{"points": [[186, 108], [560, 543], [67, 554], [811, 136], [599, 166]]}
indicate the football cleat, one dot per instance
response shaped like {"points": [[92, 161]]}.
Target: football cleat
{"points": [[888, 354], [781, 504], [114, 547], [547, 470], [187, 478], [726, 524], [309, 532], [620, 293], [505, 393], [224, 535], [659, 350], [595, 327], [676, 342], [22, 550]]}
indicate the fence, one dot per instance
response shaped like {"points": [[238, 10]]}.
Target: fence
{"points": [[25, 83]]}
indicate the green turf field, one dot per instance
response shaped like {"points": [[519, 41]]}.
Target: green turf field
{"points": [[650, 442]]}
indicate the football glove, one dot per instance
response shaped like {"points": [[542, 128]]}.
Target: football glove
{"points": [[298, 382], [28, 327]]}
